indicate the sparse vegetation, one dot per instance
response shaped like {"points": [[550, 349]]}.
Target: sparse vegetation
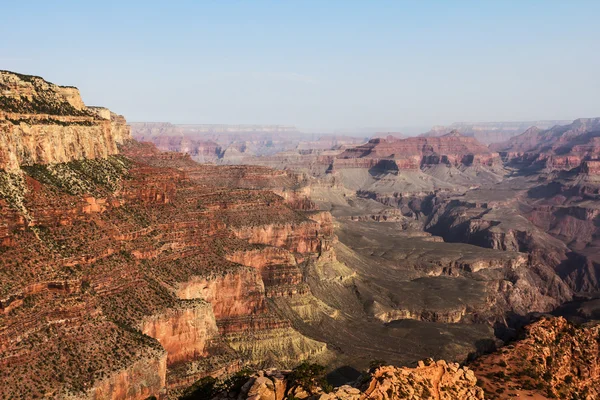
{"points": [[308, 376]]}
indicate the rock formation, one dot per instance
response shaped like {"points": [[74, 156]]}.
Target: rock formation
{"points": [[268, 145], [554, 359], [129, 272], [412, 153], [42, 123], [562, 147], [492, 132], [121, 272], [429, 380]]}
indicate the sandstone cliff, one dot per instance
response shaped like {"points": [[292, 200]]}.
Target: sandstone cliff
{"points": [[42, 123]]}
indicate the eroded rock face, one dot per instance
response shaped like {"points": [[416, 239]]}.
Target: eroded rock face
{"points": [[185, 332], [115, 267], [236, 293], [412, 153], [299, 238], [492, 132], [42, 123], [169, 137], [562, 147], [554, 359], [146, 377], [275, 146], [438, 380], [429, 380]]}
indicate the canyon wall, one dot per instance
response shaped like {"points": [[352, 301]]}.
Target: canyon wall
{"points": [[412, 153], [42, 123], [492, 132], [127, 269], [562, 147]]}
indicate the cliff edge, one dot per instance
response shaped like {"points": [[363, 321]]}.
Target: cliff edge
{"points": [[43, 123]]}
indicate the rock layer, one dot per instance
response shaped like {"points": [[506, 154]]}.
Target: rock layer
{"points": [[554, 359], [42, 123]]}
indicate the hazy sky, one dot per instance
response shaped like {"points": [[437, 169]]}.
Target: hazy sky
{"points": [[315, 64]]}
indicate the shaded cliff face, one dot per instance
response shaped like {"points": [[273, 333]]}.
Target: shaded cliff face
{"points": [[552, 217], [554, 359], [42, 123]]}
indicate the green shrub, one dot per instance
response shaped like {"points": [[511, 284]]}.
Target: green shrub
{"points": [[308, 375], [203, 389]]}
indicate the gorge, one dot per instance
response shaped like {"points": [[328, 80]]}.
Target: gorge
{"points": [[130, 272]]}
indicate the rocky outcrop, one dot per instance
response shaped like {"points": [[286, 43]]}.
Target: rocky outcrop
{"points": [[437, 380], [429, 380], [42, 123], [591, 167], [185, 332], [554, 359], [233, 293]]}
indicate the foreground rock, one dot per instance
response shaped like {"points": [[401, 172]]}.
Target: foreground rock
{"points": [[429, 380], [554, 359]]}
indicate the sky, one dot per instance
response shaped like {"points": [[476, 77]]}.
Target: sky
{"points": [[318, 65]]}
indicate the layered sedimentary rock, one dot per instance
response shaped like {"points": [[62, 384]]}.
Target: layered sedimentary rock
{"points": [[554, 359], [42, 123], [412, 153], [146, 377], [185, 331], [591, 167], [116, 267], [407, 173], [218, 143], [492, 132], [169, 137], [269, 145], [120, 248], [562, 147]]}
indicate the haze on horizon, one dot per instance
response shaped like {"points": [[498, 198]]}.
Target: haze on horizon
{"points": [[317, 65]]}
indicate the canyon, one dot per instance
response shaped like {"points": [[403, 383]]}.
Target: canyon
{"points": [[139, 268], [236, 144], [492, 132]]}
